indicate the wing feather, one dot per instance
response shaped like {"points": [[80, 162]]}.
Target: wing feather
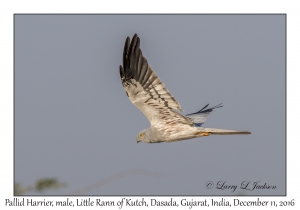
{"points": [[145, 90], [198, 118]]}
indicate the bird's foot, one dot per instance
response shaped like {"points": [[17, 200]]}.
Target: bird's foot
{"points": [[204, 134]]}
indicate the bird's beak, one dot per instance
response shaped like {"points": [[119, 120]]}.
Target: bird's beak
{"points": [[137, 141]]}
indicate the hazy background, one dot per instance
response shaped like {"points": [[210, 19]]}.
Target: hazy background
{"points": [[74, 122]]}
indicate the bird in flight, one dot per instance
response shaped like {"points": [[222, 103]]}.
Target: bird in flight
{"points": [[148, 93]]}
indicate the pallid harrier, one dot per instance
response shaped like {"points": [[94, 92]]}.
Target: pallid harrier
{"points": [[148, 93]]}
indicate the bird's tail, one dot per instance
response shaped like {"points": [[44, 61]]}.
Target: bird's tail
{"points": [[216, 131]]}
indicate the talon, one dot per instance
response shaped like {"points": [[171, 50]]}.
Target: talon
{"points": [[204, 134]]}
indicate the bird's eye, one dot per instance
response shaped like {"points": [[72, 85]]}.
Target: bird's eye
{"points": [[141, 135]]}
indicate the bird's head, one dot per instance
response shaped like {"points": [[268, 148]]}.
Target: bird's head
{"points": [[142, 136]]}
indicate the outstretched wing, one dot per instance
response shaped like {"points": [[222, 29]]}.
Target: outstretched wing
{"points": [[198, 118], [145, 90]]}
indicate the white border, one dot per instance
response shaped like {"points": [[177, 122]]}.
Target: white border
{"points": [[8, 8]]}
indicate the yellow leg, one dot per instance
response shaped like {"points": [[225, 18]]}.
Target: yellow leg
{"points": [[204, 134]]}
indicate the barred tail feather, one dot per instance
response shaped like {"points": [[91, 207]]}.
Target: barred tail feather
{"points": [[217, 131]]}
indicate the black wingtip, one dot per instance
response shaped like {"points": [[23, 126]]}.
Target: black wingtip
{"points": [[122, 73], [134, 36], [203, 107], [131, 50], [209, 109], [126, 46], [134, 43], [125, 52], [127, 42]]}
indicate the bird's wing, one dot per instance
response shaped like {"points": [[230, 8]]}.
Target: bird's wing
{"points": [[145, 90], [198, 118]]}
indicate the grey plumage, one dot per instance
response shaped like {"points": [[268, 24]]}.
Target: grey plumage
{"points": [[148, 93], [198, 118]]}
